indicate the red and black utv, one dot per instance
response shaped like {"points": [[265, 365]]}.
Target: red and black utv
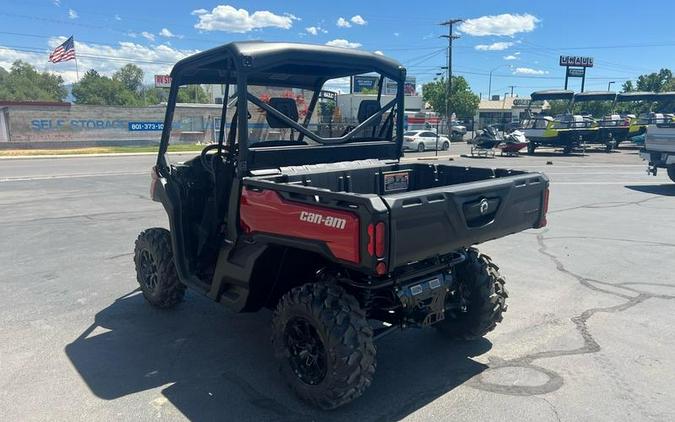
{"points": [[336, 235]]}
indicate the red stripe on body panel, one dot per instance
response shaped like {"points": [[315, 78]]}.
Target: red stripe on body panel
{"points": [[267, 212]]}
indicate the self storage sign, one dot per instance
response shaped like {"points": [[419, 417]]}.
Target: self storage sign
{"points": [[576, 61]]}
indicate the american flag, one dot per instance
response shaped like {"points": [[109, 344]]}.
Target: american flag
{"points": [[64, 52]]}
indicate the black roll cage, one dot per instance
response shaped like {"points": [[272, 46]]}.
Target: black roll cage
{"points": [[257, 64]]}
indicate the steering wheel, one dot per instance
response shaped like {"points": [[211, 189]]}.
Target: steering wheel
{"points": [[208, 164]]}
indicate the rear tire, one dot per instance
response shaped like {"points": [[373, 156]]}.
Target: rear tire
{"points": [[420, 147], [671, 173], [155, 269], [484, 293], [324, 344]]}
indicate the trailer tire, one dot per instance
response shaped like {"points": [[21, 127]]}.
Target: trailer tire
{"points": [[531, 146], [671, 173], [155, 268], [483, 289], [320, 324]]}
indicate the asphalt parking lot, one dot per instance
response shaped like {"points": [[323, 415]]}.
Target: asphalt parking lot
{"points": [[588, 335]]}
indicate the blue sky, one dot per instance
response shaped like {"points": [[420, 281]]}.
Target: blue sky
{"points": [[520, 41]]}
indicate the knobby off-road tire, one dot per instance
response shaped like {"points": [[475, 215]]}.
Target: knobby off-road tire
{"points": [[338, 364], [483, 288], [671, 173], [531, 147], [155, 269]]}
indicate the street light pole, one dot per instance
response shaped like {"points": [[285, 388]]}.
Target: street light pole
{"points": [[490, 82], [609, 84]]}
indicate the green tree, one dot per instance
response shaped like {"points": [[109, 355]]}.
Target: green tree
{"points": [[463, 102], [24, 83], [155, 96], [557, 107], [131, 76], [96, 89], [661, 81], [192, 94]]}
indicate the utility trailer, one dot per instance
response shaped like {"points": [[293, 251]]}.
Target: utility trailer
{"points": [[343, 241]]}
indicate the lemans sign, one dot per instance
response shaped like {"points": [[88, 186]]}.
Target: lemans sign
{"points": [[576, 61]]}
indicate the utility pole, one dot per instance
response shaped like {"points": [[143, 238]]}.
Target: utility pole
{"points": [[512, 86], [449, 23]]}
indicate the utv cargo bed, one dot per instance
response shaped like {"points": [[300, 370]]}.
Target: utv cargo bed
{"points": [[433, 209]]}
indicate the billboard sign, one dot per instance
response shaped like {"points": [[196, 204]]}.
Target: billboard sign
{"points": [[409, 87], [364, 82], [577, 61], [162, 81], [576, 72]]}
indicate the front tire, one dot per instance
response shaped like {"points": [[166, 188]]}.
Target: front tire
{"points": [[155, 269], [446, 146], [324, 344], [482, 289]]}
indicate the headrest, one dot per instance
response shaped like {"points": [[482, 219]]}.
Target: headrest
{"points": [[367, 108], [285, 106]]}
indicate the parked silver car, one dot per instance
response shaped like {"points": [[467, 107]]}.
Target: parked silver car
{"points": [[422, 140]]}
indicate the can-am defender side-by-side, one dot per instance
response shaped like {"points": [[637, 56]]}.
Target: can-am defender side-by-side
{"points": [[342, 240], [637, 125], [566, 131], [659, 149], [612, 128]]}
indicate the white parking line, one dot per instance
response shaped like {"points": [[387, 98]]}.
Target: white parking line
{"points": [[68, 176]]}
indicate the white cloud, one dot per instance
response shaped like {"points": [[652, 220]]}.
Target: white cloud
{"points": [[339, 42], [339, 85], [228, 19], [343, 23], [529, 71], [314, 30], [168, 34], [358, 20], [511, 57], [106, 58], [57, 3], [396, 34], [497, 46], [118, 17], [72, 14], [378, 52], [148, 36], [501, 25], [132, 34]]}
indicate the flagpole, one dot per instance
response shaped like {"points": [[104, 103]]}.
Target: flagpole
{"points": [[77, 70]]}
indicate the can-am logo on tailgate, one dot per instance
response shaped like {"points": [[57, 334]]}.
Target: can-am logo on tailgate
{"points": [[328, 221]]}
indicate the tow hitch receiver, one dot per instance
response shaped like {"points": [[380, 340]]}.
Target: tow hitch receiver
{"points": [[424, 300]]}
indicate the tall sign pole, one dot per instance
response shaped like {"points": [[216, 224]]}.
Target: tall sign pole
{"points": [[449, 23], [575, 67]]}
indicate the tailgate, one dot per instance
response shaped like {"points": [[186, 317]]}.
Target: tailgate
{"points": [[441, 220], [660, 138]]}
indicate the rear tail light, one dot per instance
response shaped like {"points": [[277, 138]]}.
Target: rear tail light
{"points": [[544, 210], [371, 239], [408, 139], [379, 239], [381, 268]]}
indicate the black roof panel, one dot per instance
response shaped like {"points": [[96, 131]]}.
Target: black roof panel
{"points": [[594, 96], [282, 64], [552, 94]]}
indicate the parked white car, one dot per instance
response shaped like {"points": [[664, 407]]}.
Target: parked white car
{"points": [[423, 140]]}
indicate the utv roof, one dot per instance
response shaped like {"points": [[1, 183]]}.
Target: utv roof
{"points": [[594, 96], [281, 64], [637, 96], [552, 94]]}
